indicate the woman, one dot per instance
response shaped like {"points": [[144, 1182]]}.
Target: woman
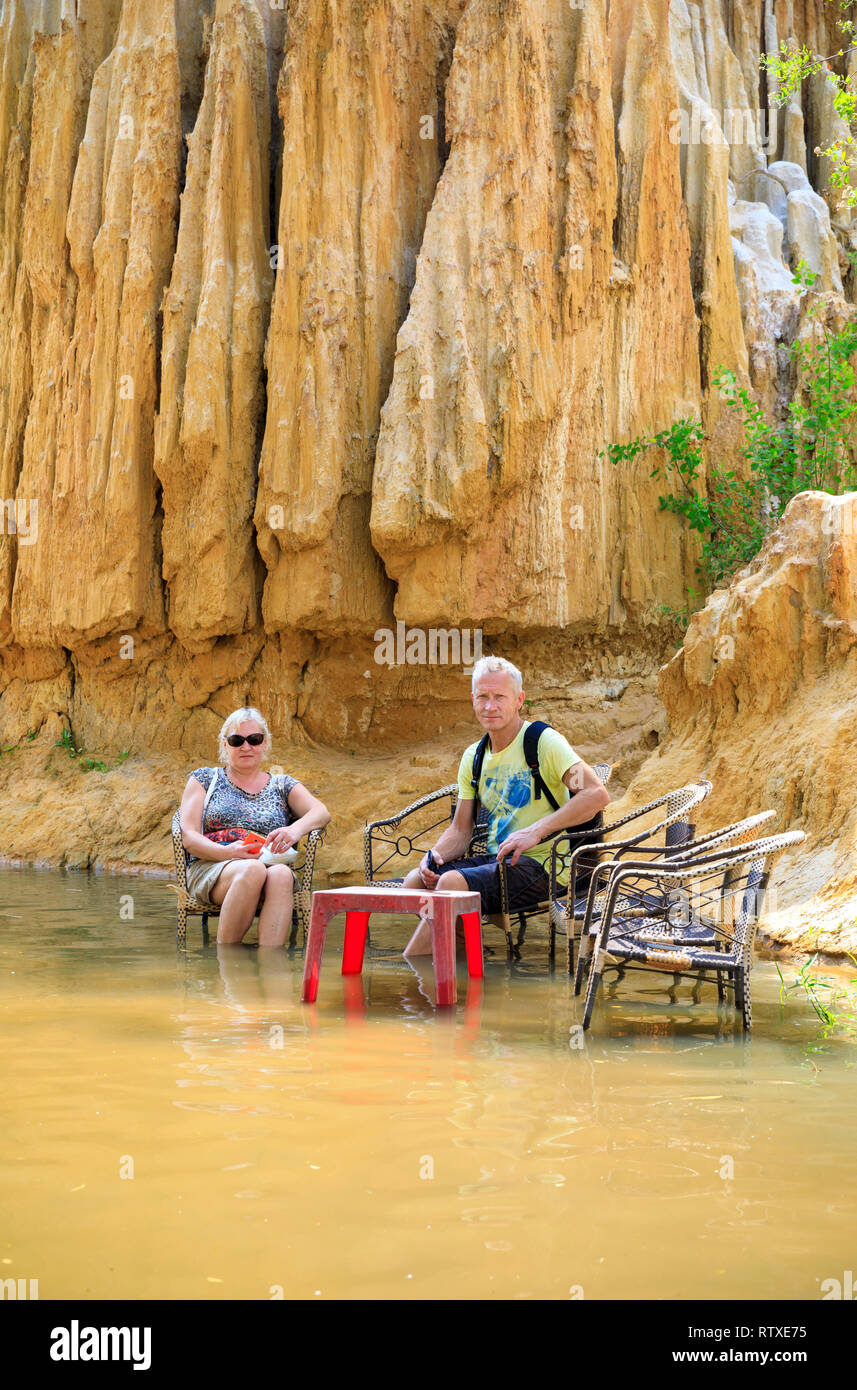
{"points": [[229, 875]]}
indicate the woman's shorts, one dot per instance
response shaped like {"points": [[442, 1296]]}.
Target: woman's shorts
{"points": [[202, 875]]}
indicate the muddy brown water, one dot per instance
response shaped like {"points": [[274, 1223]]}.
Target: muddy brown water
{"points": [[178, 1125]]}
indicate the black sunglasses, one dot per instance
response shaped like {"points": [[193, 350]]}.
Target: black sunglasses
{"points": [[236, 740]]}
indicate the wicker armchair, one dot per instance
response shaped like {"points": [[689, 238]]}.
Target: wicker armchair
{"points": [[718, 894], [399, 843], [189, 907], [574, 859]]}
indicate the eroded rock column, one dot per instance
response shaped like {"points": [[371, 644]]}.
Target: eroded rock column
{"points": [[362, 103]]}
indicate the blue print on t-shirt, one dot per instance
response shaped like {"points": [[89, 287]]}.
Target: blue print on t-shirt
{"points": [[504, 797]]}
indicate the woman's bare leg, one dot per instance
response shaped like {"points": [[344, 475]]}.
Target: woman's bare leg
{"points": [[237, 890], [420, 943], [276, 915]]}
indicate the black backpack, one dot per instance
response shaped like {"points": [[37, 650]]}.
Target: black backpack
{"points": [[532, 734]]}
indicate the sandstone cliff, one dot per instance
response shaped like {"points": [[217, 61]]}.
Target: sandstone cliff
{"points": [[761, 699], [317, 319]]}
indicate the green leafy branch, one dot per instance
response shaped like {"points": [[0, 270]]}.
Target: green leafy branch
{"points": [[813, 447], [13, 747], [791, 67], [833, 1005]]}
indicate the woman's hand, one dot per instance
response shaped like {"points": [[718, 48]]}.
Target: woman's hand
{"points": [[240, 850], [281, 839]]}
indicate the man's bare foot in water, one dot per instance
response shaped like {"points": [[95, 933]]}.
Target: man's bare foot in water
{"points": [[450, 882], [420, 942]]}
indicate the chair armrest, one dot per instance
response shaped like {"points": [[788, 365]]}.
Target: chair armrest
{"points": [[414, 806], [179, 851], [392, 823], [629, 844], [312, 844], [595, 842], [677, 802]]}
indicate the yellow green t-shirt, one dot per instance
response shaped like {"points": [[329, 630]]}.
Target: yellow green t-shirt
{"points": [[506, 787]]}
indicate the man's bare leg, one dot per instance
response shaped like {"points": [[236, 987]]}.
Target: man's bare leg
{"points": [[450, 882]]}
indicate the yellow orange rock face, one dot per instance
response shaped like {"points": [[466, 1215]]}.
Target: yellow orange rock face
{"points": [[318, 318], [363, 136]]}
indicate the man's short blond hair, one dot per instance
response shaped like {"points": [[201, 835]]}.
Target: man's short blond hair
{"points": [[490, 665]]}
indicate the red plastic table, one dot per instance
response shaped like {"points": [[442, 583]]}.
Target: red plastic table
{"points": [[440, 910]]}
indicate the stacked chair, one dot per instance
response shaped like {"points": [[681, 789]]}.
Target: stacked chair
{"points": [[574, 855], [589, 864], [694, 911]]}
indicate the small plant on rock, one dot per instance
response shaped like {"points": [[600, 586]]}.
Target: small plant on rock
{"points": [[66, 741]]}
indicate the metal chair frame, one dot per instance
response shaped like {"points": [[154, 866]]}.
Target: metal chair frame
{"points": [[189, 907], [372, 835], [588, 908], [634, 936]]}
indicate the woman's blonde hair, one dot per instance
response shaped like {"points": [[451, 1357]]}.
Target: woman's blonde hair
{"points": [[230, 725]]}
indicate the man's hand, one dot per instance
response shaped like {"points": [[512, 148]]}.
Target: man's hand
{"points": [[429, 878], [515, 845]]}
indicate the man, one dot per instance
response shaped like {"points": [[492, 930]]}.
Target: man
{"points": [[519, 821]]}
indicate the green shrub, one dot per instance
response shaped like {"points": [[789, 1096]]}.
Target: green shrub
{"points": [[815, 446]]}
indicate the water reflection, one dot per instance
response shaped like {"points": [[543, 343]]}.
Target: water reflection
{"points": [[368, 1145]]}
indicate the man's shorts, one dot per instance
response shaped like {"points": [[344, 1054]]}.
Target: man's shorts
{"points": [[528, 882]]}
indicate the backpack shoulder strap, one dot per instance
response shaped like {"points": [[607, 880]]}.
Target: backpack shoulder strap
{"points": [[532, 734], [478, 759]]}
